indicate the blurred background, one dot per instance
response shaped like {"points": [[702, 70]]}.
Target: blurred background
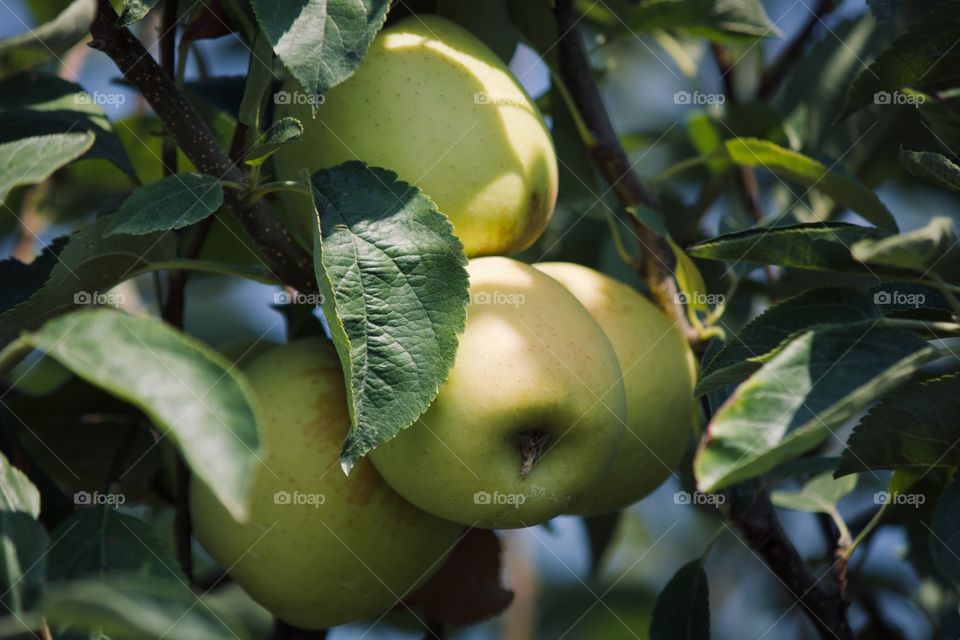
{"points": [[561, 589]]}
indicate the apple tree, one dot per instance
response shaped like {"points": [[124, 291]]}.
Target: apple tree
{"points": [[505, 318]]}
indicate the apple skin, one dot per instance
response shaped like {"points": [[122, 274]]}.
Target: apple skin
{"points": [[311, 566], [659, 373], [433, 103], [531, 361]]}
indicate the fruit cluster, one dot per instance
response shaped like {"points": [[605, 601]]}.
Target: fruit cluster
{"points": [[570, 394]]}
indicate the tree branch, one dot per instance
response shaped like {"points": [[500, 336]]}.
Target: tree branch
{"points": [[754, 515], [658, 263], [776, 72], [288, 261]]}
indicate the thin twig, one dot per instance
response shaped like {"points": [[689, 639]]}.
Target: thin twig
{"points": [[288, 260], [658, 261], [776, 72], [747, 186]]}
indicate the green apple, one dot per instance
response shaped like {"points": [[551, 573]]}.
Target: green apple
{"points": [[320, 549], [659, 372], [530, 417], [431, 102]]}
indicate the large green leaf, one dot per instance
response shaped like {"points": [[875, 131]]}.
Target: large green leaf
{"points": [[683, 607], [17, 493], [75, 270], [47, 40], [190, 392], [141, 607], [23, 545], [395, 295], [925, 58], [819, 246], [922, 250], [717, 20], [811, 386], [320, 42], [936, 168], [841, 187], [816, 89], [33, 160], [172, 202], [34, 103], [913, 428], [99, 540], [743, 354]]}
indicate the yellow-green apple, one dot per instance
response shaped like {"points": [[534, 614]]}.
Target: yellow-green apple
{"points": [[530, 417], [659, 372], [319, 549], [433, 103]]}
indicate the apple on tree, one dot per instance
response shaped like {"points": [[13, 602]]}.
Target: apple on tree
{"points": [[530, 417], [320, 549], [659, 373], [433, 103]]}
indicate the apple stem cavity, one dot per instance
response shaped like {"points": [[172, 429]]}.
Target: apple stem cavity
{"points": [[532, 445]]}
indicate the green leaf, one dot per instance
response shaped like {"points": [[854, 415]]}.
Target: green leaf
{"points": [[395, 295], [188, 391], [17, 493], [707, 139], [925, 58], [743, 354], [818, 246], [490, 21], [920, 250], [284, 131], [816, 89], [683, 607], [140, 607], [23, 545], [173, 202], [942, 116], [320, 42], [819, 495], [842, 188], [933, 167], [945, 533], [35, 103], [913, 428], [535, 21], [134, 11], [716, 20], [99, 540], [811, 386], [908, 299], [33, 160], [77, 270], [48, 40], [600, 532]]}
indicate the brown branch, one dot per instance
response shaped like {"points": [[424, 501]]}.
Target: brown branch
{"points": [[288, 261], [168, 62], [776, 72], [658, 262], [821, 600], [747, 186]]}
